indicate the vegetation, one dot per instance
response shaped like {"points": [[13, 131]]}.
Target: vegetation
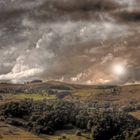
{"points": [[33, 96], [8, 132], [73, 112], [47, 117]]}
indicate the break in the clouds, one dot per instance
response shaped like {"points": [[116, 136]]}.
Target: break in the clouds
{"points": [[92, 42]]}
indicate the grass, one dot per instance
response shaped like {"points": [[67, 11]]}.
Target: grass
{"points": [[136, 114], [34, 96], [21, 136], [84, 93], [8, 132], [70, 135]]}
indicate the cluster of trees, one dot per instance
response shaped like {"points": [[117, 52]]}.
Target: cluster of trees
{"points": [[131, 107], [46, 117], [113, 126], [1, 98]]}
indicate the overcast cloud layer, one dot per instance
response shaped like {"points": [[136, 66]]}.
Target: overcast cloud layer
{"points": [[69, 40]]}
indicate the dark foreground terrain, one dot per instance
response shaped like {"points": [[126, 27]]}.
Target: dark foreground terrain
{"points": [[57, 111]]}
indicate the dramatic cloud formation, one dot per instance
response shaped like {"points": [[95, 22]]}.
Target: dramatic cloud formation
{"points": [[74, 41]]}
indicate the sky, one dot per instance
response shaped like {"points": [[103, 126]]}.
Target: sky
{"points": [[84, 41]]}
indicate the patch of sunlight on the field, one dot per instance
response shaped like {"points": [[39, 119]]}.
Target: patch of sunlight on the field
{"points": [[8, 132], [136, 114], [84, 93], [24, 136], [33, 96]]}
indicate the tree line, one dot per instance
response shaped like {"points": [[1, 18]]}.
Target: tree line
{"points": [[46, 117]]}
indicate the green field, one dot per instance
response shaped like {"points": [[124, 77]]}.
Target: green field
{"points": [[84, 93], [33, 96]]}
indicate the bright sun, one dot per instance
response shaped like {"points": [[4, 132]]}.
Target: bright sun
{"points": [[119, 69]]}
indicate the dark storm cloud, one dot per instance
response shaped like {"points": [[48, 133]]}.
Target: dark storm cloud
{"points": [[69, 40], [127, 15], [82, 5]]}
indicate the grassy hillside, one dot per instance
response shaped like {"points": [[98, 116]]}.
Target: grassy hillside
{"points": [[122, 95], [8, 132]]}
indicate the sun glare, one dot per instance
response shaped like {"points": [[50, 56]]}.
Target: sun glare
{"points": [[119, 69]]}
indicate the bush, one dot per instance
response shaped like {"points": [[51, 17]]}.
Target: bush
{"points": [[18, 109], [113, 125], [1, 98], [78, 133], [135, 135]]}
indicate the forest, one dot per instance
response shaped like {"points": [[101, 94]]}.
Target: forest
{"points": [[48, 116]]}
